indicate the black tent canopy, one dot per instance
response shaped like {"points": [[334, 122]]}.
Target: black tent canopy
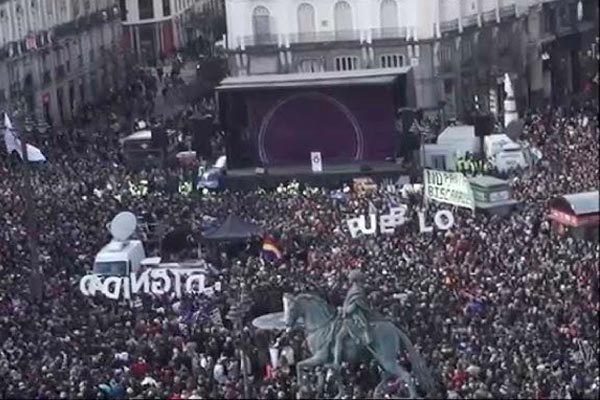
{"points": [[234, 229]]}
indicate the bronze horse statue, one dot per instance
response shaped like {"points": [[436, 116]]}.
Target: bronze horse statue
{"points": [[321, 321]]}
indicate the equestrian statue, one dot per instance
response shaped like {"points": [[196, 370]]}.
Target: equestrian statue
{"points": [[353, 334]]}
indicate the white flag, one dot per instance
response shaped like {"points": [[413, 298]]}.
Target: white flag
{"points": [[11, 140], [274, 356], [34, 154], [13, 143]]}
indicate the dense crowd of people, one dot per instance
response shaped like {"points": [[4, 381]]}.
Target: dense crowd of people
{"points": [[499, 307]]}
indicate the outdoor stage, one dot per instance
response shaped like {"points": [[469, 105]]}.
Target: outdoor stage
{"points": [[350, 117], [332, 175]]}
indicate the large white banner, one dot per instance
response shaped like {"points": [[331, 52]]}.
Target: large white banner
{"points": [[448, 187], [155, 281], [443, 219]]}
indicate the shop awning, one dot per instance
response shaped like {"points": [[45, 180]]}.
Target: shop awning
{"points": [[579, 203], [578, 209]]}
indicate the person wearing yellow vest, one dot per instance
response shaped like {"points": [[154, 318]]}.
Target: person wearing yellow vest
{"points": [[132, 188], [460, 165], [486, 167], [185, 188], [474, 167], [482, 166], [143, 187], [477, 168], [468, 167], [138, 190]]}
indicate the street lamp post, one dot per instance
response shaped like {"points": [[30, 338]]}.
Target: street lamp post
{"points": [[236, 314], [35, 278], [442, 115]]}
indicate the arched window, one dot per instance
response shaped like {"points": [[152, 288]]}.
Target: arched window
{"points": [[389, 14], [402, 13], [306, 19], [261, 24], [343, 18]]}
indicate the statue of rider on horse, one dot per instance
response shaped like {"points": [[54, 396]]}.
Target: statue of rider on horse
{"points": [[356, 316], [355, 333]]}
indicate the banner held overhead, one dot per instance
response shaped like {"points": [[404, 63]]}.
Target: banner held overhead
{"points": [[448, 187]]}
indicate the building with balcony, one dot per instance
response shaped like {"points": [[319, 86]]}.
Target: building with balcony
{"points": [[208, 22], [459, 49], [562, 56], [154, 29], [57, 55]]}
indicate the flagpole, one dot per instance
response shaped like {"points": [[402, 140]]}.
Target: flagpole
{"points": [[243, 355], [35, 282], [236, 315], [36, 275]]}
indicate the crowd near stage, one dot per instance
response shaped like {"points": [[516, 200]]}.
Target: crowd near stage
{"points": [[273, 123]]}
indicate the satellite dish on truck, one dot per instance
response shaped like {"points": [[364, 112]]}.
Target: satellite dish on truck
{"points": [[122, 226]]}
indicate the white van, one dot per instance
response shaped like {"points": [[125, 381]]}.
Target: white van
{"points": [[495, 143], [510, 157], [119, 258], [504, 153]]}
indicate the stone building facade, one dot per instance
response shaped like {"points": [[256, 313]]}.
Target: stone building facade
{"points": [[459, 49], [57, 55], [155, 29]]}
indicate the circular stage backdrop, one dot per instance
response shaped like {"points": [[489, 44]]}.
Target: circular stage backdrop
{"points": [[302, 123]]}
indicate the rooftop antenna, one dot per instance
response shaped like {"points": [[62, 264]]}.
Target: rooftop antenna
{"points": [[122, 226]]}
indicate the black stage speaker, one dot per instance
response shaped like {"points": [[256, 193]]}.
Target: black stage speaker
{"points": [[159, 137], [202, 131], [408, 116], [365, 168], [484, 125], [234, 119]]}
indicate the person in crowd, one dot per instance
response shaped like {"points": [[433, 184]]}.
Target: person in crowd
{"points": [[499, 307]]}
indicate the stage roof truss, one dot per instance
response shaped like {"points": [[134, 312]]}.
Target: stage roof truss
{"points": [[366, 77]]}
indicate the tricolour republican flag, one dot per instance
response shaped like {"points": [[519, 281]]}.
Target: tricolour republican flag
{"points": [[270, 250]]}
